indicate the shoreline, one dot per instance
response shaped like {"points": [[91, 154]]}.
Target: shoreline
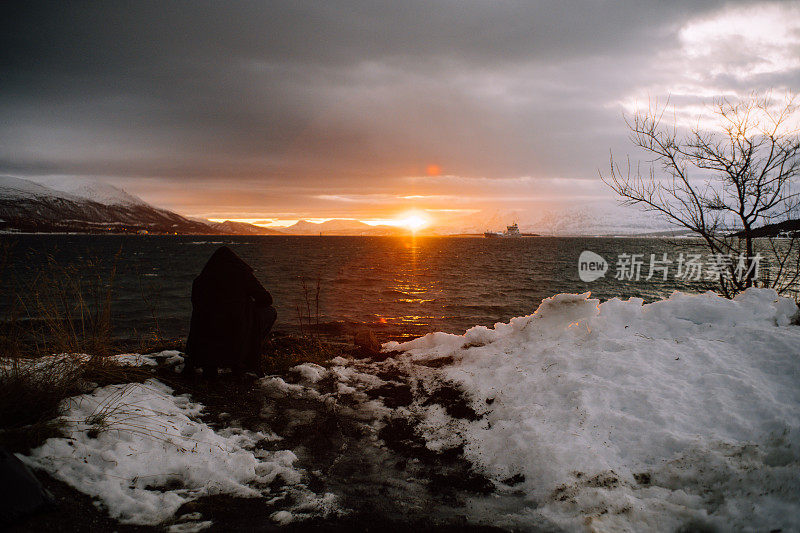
{"points": [[426, 236]]}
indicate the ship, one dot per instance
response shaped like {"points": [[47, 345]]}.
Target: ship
{"points": [[511, 231]]}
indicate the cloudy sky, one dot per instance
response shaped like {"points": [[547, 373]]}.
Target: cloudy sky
{"points": [[286, 110]]}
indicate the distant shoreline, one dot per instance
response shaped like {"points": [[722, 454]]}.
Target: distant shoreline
{"points": [[454, 235]]}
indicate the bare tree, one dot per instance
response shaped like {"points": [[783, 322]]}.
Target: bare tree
{"points": [[729, 183]]}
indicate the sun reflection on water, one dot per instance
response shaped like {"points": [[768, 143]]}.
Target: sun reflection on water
{"points": [[413, 289]]}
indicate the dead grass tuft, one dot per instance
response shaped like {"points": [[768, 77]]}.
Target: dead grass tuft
{"points": [[56, 308], [32, 392], [285, 351]]}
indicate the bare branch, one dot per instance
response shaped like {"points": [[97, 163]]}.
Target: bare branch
{"points": [[722, 184]]}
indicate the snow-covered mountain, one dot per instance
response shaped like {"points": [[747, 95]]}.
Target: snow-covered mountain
{"points": [[486, 220], [95, 191], [84, 206], [590, 218], [230, 227], [599, 219]]}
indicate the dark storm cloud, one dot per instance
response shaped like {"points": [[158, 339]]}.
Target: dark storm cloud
{"points": [[319, 95]]}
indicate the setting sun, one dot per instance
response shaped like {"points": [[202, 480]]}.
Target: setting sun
{"points": [[413, 221]]}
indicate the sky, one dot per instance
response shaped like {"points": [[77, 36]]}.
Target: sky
{"points": [[278, 111]]}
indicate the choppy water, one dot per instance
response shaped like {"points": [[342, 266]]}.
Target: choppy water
{"points": [[400, 287]]}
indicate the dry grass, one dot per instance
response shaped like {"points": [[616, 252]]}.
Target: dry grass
{"points": [[32, 392], [75, 306], [285, 351], [57, 308], [61, 310], [308, 311]]}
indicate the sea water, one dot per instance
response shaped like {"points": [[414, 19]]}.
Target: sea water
{"points": [[400, 287]]}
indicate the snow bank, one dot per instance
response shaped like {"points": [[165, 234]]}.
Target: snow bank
{"points": [[624, 416], [143, 452]]}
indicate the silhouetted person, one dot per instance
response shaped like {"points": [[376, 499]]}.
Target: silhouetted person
{"points": [[231, 316]]}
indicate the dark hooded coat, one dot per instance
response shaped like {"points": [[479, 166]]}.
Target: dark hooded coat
{"points": [[231, 314]]}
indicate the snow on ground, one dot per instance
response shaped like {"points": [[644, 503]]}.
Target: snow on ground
{"points": [[143, 452], [680, 414], [627, 417], [171, 358], [63, 361]]}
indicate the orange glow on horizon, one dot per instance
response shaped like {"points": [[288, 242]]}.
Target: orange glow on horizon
{"points": [[433, 170], [411, 220], [274, 222]]}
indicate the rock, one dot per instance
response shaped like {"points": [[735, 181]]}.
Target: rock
{"points": [[367, 343], [21, 493]]}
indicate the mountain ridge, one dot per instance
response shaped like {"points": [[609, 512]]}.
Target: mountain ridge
{"points": [[83, 206], [340, 226], [31, 207]]}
